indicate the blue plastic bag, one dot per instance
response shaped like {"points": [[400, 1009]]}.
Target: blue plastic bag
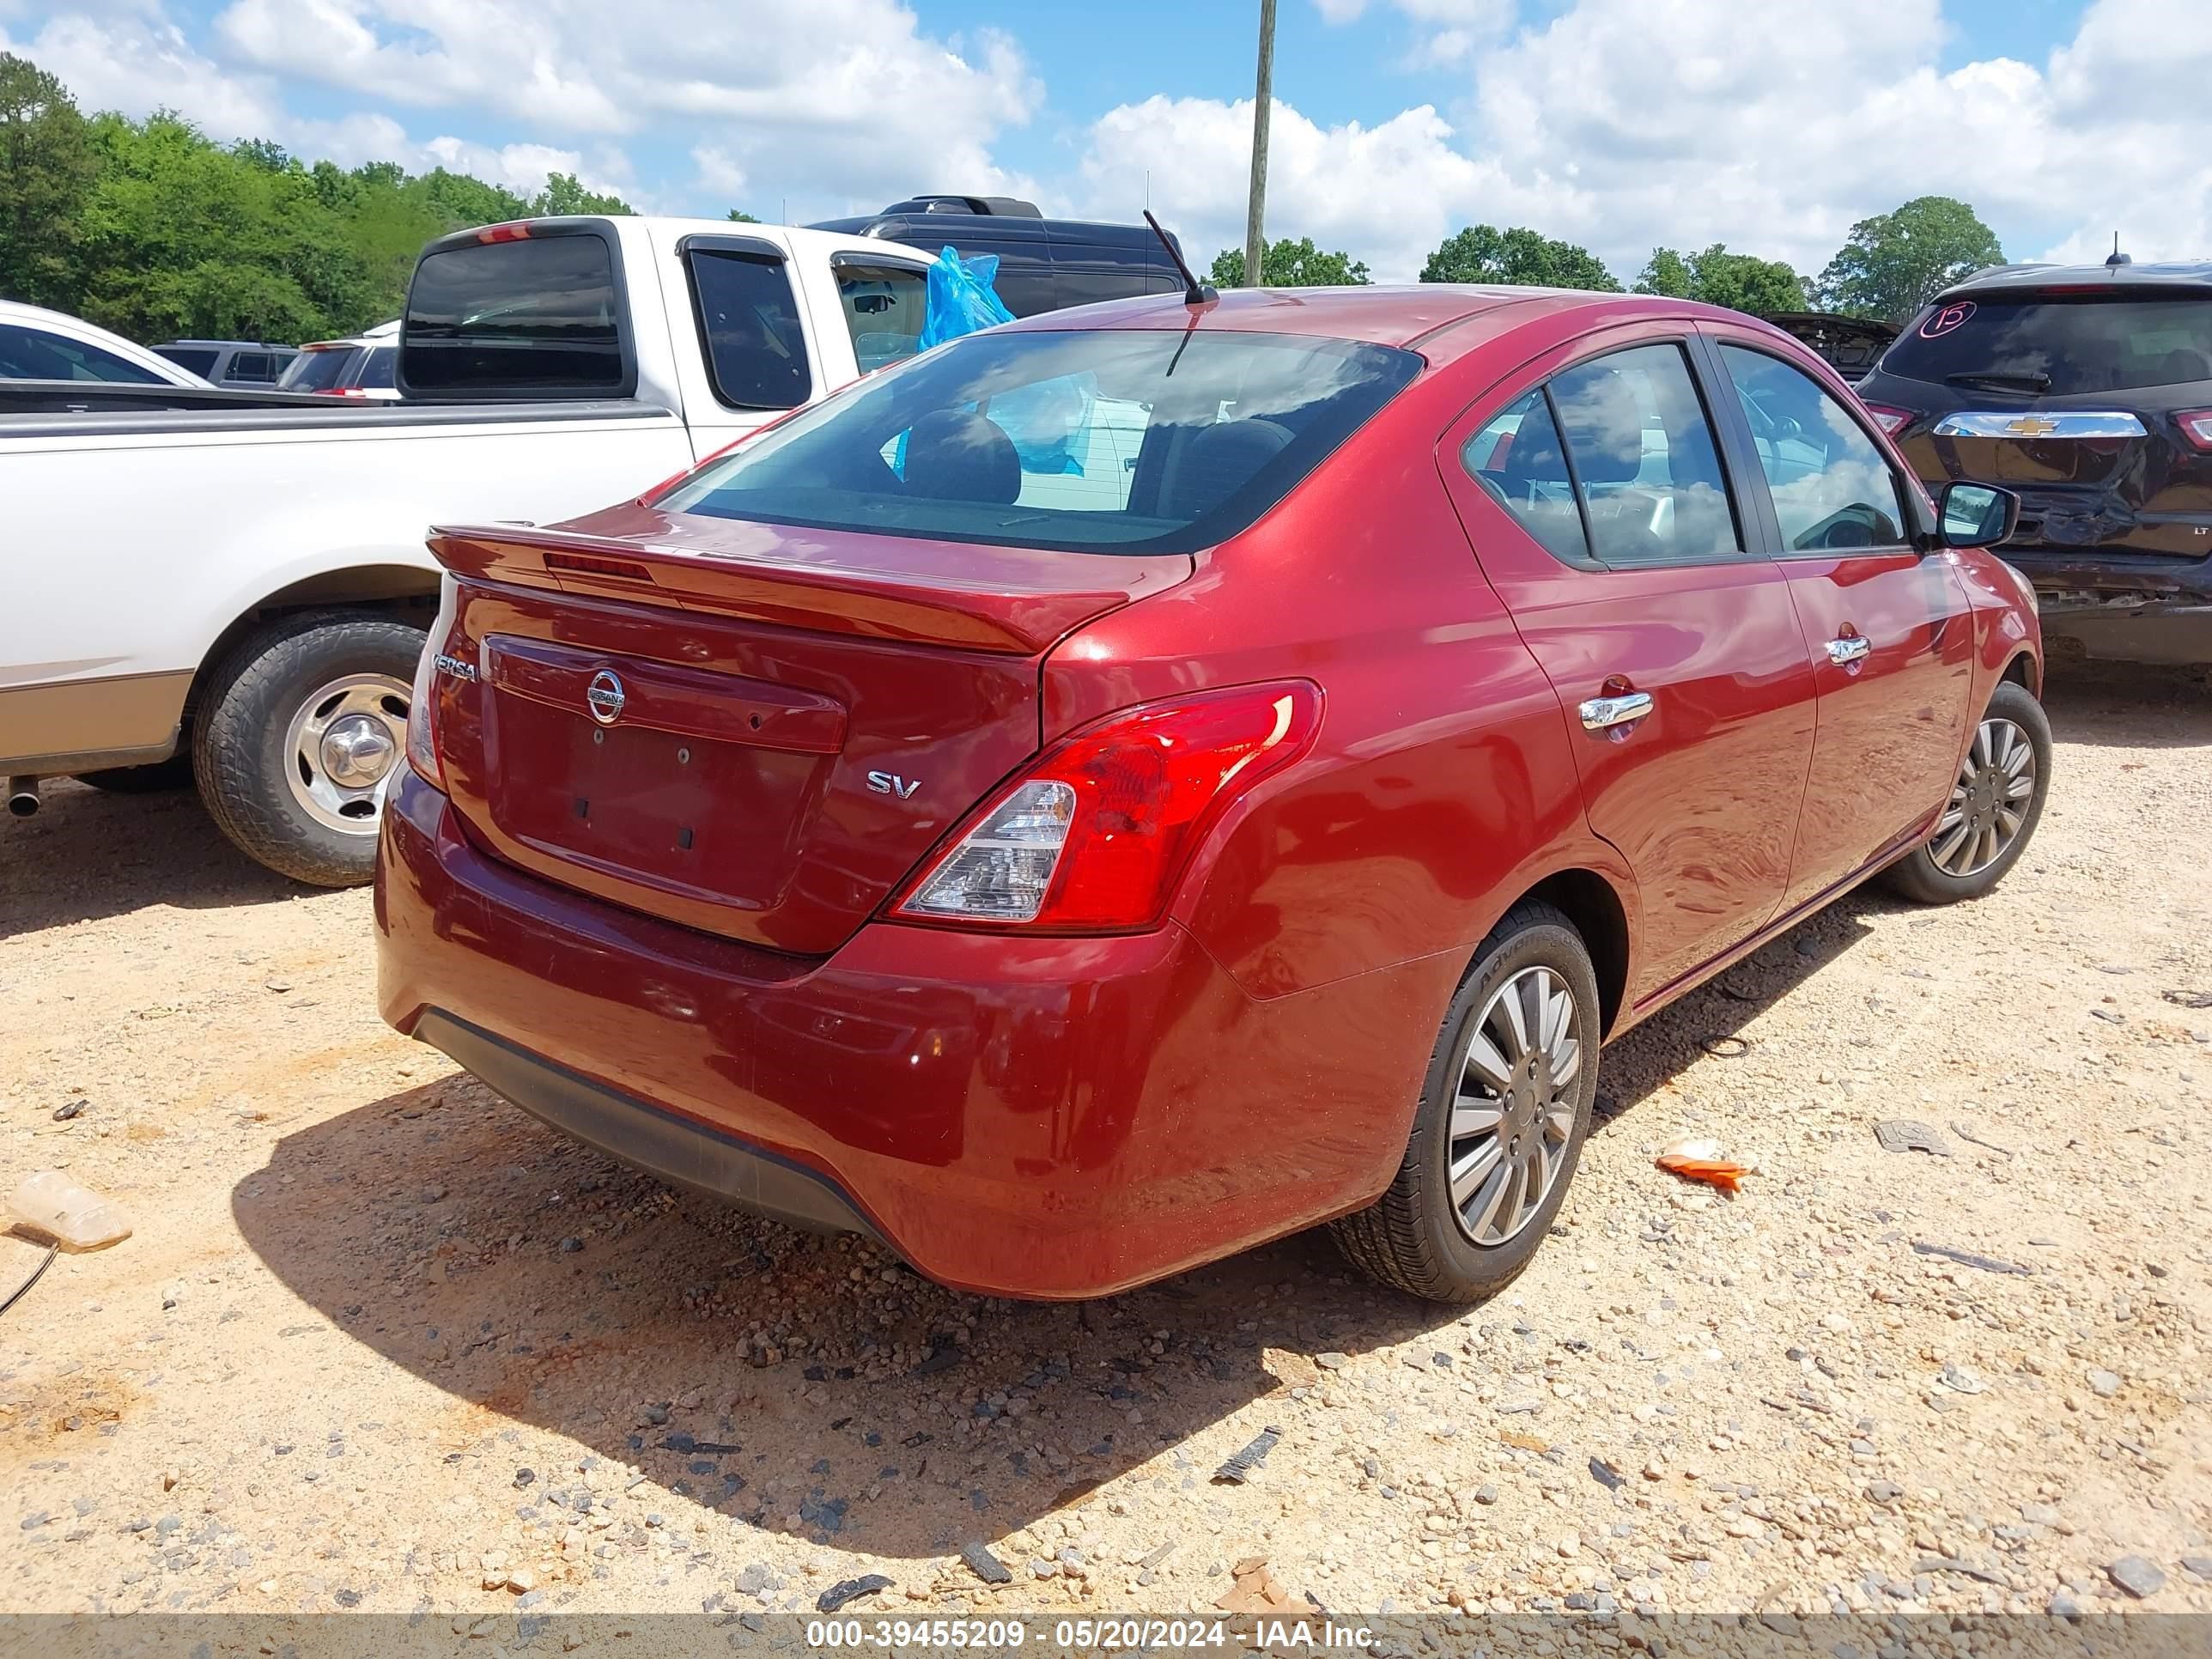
{"points": [[961, 300]]}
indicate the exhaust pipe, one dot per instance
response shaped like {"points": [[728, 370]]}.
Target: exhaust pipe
{"points": [[22, 797]]}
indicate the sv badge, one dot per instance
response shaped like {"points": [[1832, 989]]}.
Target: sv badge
{"points": [[890, 783]]}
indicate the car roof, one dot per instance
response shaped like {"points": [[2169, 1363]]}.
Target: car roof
{"points": [[2025, 278], [241, 345], [1378, 314], [955, 229]]}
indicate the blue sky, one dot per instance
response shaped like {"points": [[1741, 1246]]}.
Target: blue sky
{"points": [[1618, 123]]}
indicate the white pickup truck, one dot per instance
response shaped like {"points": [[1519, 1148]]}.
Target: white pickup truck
{"points": [[232, 587]]}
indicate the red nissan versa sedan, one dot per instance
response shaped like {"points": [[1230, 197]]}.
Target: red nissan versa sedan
{"points": [[1129, 785]]}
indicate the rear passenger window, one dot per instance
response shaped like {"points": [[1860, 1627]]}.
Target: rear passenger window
{"points": [[1832, 488], [1644, 459], [884, 306], [257, 367], [1516, 457], [749, 321]]}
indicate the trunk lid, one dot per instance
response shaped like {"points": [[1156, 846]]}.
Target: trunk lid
{"points": [[2104, 476], [748, 729]]}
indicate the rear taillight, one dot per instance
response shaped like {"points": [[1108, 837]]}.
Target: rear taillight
{"points": [[2197, 426], [423, 702], [1891, 420], [1093, 838]]}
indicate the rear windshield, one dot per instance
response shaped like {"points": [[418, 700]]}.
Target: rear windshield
{"points": [[2046, 344], [318, 371], [1107, 441], [533, 315]]}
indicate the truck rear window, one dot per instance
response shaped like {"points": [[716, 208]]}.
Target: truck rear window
{"points": [[1088, 441], [532, 316], [2059, 344]]}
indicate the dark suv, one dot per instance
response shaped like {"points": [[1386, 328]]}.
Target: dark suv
{"points": [[1044, 265], [2087, 390]]}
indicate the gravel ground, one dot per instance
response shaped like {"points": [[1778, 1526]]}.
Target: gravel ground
{"points": [[379, 1341]]}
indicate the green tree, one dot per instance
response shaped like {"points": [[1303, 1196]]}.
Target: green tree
{"points": [[1483, 253], [1287, 263], [740, 216], [457, 200], [564, 194], [1742, 282], [1665, 272], [1895, 263], [48, 167]]}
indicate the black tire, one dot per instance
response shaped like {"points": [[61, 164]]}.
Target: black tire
{"points": [[1411, 1237], [239, 745], [1919, 878], [158, 779]]}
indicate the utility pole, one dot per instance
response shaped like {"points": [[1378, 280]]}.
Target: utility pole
{"points": [[1256, 238]]}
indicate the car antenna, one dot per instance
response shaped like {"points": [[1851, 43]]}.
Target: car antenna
{"points": [[2114, 260], [1195, 293]]}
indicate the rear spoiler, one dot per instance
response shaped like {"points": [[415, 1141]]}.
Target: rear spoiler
{"points": [[1007, 601]]}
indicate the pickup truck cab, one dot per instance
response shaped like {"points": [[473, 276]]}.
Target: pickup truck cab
{"points": [[233, 585]]}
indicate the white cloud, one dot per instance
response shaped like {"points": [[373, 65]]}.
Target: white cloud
{"points": [[127, 55], [838, 102], [1446, 33], [134, 59], [1383, 193], [1627, 123], [494, 54]]}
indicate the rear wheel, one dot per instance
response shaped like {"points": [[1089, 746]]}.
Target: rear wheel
{"points": [[297, 737], [1995, 802], [1499, 1128]]}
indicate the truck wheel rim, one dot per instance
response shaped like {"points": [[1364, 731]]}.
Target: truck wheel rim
{"points": [[341, 747], [1988, 803], [1513, 1108]]}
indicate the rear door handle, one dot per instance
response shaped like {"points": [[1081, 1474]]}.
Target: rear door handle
{"points": [[1603, 713], [1849, 649]]}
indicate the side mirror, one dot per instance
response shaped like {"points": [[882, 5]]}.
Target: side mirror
{"points": [[1977, 514]]}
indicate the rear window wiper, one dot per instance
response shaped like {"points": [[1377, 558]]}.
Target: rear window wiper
{"points": [[2026, 382]]}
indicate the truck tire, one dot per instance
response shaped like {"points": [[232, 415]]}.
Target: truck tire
{"points": [[160, 777], [1499, 1128], [302, 726]]}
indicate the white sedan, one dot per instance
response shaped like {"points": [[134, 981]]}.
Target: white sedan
{"points": [[37, 344]]}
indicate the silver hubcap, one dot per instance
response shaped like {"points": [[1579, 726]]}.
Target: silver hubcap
{"points": [[1988, 803], [341, 747], [1514, 1112]]}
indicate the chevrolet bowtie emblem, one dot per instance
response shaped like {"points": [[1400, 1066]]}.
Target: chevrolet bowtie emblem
{"points": [[2031, 426]]}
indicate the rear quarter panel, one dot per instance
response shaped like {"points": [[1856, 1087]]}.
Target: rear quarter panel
{"points": [[1441, 785], [1346, 897]]}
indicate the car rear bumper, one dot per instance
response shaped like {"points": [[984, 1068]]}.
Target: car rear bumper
{"points": [[1028, 1117], [2176, 634], [2124, 608]]}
